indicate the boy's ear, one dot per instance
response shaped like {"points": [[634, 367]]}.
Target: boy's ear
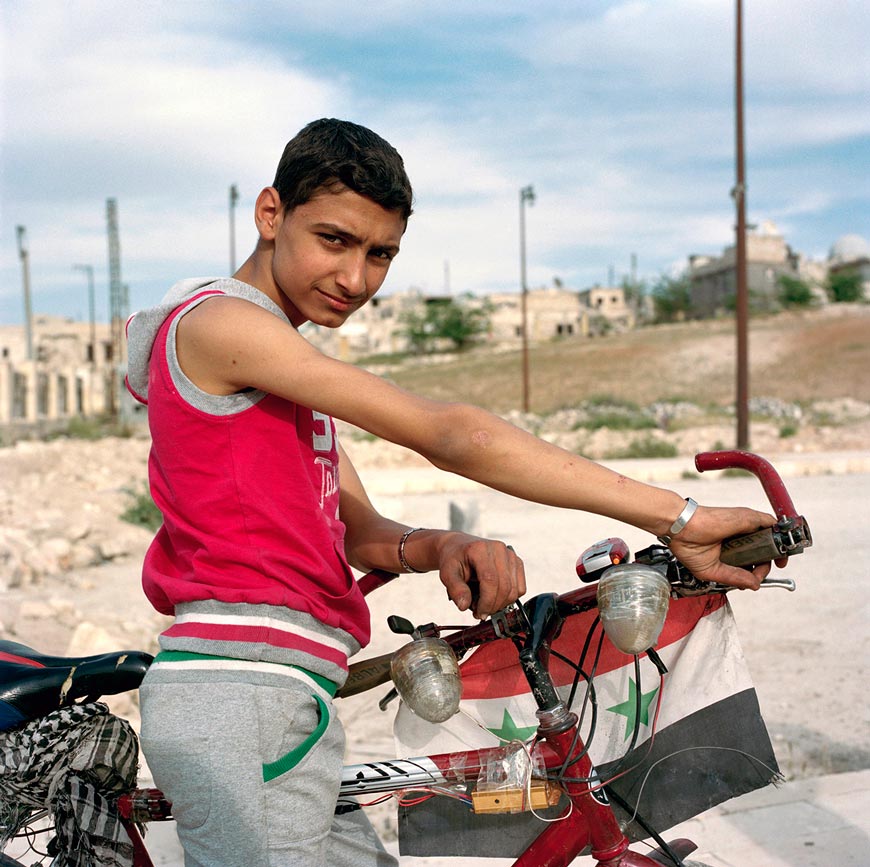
{"points": [[267, 213]]}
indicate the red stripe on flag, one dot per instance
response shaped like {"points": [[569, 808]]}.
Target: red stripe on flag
{"points": [[257, 635], [494, 672]]}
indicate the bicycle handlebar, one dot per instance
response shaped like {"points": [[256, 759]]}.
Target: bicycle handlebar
{"points": [[762, 469], [791, 534]]}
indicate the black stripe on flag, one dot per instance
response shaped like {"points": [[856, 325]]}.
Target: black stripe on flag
{"points": [[703, 765]]}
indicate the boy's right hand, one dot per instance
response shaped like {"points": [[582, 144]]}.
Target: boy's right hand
{"points": [[480, 574]]}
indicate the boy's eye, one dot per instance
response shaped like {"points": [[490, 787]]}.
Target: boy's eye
{"points": [[383, 255]]}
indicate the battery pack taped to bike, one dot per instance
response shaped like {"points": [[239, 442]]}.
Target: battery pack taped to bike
{"points": [[541, 795], [512, 781]]}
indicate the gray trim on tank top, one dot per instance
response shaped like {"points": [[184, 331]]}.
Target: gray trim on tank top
{"points": [[217, 404]]}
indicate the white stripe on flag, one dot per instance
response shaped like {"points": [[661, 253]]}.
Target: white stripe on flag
{"points": [[705, 666]]}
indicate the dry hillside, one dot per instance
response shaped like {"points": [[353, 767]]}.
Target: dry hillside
{"points": [[804, 357]]}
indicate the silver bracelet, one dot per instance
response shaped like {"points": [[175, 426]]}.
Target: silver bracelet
{"points": [[682, 519], [402, 561]]}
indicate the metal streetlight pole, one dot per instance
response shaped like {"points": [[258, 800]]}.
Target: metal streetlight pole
{"points": [[24, 255], [739, 193], [234, 198], [88, 270], [527, 194]]}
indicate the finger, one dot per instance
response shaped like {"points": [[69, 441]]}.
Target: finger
{"points": [[457, 588], [735, 577], [762, 570], [491, 581], [521, 578], [497, 571], [512, 577]]}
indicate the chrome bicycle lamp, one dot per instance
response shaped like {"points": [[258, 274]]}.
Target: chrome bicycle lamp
{"points": [[633, 603], [426, 674]]}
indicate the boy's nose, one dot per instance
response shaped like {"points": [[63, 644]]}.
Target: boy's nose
{"points": [[352, 278]]}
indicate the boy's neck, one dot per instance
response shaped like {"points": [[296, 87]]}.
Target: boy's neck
{"points": [[256, 271]]}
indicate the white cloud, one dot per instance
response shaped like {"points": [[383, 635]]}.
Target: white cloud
{"points": [[622, 119]]}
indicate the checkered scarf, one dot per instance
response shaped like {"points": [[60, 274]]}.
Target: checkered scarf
{"points": [[72, 762]]}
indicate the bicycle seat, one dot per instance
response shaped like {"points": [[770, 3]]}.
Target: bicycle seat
{"points": [[32, 684]]}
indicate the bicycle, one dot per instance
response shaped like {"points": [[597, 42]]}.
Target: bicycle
{"points": [[554, 774]]}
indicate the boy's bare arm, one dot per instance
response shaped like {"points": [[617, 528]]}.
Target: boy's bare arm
{"points": [[481, 574], [226, 344]]}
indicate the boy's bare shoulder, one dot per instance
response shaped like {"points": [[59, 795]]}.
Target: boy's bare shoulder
{"points": [[226, 316], [225, 343]]}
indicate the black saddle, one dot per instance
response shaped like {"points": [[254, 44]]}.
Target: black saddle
{"points": [[33, 684]]}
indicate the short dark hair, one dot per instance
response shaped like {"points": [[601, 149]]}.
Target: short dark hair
{"points": [[330, 153]]}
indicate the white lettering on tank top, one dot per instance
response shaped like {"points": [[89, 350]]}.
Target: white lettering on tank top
{"points": [[328, 478], [322, 441]]}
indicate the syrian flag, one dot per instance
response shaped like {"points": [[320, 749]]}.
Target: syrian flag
{"points": [[710, 742]]}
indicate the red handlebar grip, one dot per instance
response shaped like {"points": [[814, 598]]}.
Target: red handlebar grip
{"points": [[779, 497]]}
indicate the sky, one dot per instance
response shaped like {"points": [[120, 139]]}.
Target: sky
{"points": [[619, 114]]}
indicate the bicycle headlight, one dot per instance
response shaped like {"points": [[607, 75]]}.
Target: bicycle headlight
{"points": [[633, 603], [426, 674]]}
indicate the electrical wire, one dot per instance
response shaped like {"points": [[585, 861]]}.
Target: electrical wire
{"points": [[776, 778]]}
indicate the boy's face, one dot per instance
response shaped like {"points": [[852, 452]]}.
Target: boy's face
{"points": [[332, 254]]}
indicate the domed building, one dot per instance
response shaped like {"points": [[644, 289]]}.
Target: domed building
{"points": [[849, 248], [851, 253]]}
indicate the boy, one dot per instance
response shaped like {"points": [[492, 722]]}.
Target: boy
{"points": [[264, 514]]}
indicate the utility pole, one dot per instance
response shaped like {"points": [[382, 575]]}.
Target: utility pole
{"points": [[739, 194], [234, 198], [88, 271], [527, 194], [118, 303], [24, 255]]}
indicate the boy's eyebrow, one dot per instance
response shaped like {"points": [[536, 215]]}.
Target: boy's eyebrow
{"points": [[339, 232]]}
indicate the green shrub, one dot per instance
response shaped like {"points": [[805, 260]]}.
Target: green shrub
{"points": [[648, 447], [794, 292], [736, 473], [845, 285], [617, 421], [613, 413], [142, 512]]}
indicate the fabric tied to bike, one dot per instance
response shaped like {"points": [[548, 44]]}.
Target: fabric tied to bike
{"points": [[72, 762], [710, 743]]}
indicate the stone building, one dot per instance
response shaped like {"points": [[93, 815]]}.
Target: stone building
{"points": [[71, 372], [374, 329], [552, 312], [713, 279]]}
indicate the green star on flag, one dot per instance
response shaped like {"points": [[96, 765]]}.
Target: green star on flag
{"points": [[628, 708], [510, 731]]}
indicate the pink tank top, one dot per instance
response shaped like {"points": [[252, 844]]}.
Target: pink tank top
{"points": [[249, 494]]}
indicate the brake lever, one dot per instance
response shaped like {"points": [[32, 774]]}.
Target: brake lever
{"points": [[785, 583], [393, 693]]}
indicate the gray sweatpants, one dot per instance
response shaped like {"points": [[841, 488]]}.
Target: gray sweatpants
{"points": [[210, 743]]}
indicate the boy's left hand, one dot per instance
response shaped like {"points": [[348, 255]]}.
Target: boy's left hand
{"points": [[480, 574]]}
